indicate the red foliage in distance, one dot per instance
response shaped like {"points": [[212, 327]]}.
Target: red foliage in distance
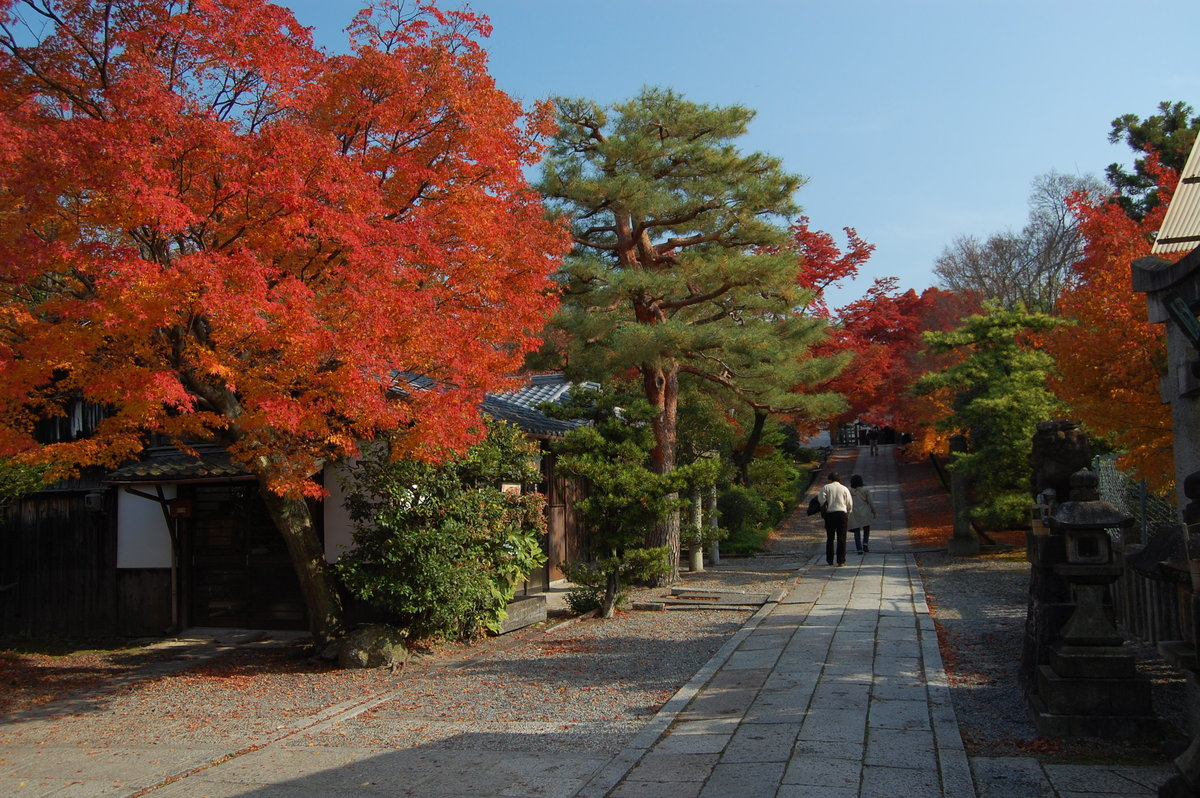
{"points": [[884, 329]]}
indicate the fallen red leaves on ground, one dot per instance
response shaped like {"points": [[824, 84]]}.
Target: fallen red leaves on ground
{"points": [[931, 515], [34, 679], [927, 505]]}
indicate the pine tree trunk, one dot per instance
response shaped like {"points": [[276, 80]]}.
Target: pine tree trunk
{"points": [[294, 521], [746, 456], [661, 384], [612, 591]]}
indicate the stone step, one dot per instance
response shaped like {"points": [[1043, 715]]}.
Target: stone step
{"points": [[698, 595]]}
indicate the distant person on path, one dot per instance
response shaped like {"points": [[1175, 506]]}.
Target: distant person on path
{"points": [[861, 514], [836, 504], [873, 439]]}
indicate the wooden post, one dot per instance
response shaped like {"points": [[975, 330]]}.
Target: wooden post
{"points": [[714, 550]]}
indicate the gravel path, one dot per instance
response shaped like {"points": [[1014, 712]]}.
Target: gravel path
{"points": [[586, 685], [586, 688]]}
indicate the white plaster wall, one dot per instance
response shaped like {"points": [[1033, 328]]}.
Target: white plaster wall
{"points": [[142, 537], [339, 537]]}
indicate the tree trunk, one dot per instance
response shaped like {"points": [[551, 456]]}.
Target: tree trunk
{"points": [[294, 521], [746, 456], [612, 591], [661, 384]]}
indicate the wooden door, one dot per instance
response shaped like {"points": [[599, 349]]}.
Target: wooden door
{"points": [[240, 573]]}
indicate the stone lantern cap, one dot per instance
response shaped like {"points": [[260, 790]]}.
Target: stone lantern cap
{"points": [[1087, 510]]}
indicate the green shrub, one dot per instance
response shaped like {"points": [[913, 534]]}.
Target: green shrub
{"points": [[747, 518], [777, 482], [807, 456], [440, 548], [1001, 511], [583, 599], [19, 479], [593, 579]]}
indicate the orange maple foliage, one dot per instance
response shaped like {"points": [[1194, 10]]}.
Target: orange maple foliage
{"points": [[1111, 359], [222, 233]]}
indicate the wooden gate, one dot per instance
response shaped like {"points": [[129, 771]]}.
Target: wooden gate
{"points": [[239, 573]]}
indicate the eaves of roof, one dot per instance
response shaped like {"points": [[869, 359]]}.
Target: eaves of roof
{"points": [[532, 422], [172, 466], [167, 465]]}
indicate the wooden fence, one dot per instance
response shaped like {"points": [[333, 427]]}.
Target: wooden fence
{"points": [[1154, 607], [57, 568]]}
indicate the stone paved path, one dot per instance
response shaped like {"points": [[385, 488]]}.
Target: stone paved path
{"points": [[837, 691]]}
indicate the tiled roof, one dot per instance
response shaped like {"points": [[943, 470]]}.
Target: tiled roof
{"points": [[531, 421], [167, 464], [521, 406], [542, 388]]}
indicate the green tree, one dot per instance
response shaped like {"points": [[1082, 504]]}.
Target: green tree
{"points": [[1000, 395], [1167, 135], [19, 479], [441, 548], [681, 263], [626, 497]]}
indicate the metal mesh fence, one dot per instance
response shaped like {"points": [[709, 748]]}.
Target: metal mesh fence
{"points": [[1150, 512]]}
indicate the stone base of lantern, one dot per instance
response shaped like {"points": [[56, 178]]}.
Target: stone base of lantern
{"points": [[1093, 691], [1186, 782]]}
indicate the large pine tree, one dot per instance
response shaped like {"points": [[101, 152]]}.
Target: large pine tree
{"points": [[680, 264]]}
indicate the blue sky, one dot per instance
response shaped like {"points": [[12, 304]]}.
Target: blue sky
{"points": [[915, 121]]}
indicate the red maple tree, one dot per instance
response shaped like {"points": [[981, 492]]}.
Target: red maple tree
{"points": [[825, 264], [882, 334], [223, 234], [1110, 360], [884, 330]]}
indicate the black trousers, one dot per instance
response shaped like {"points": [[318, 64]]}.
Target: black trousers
{"points": [[835, 537]]}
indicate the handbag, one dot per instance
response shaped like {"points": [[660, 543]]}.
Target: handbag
{"points": [[814, 506]]}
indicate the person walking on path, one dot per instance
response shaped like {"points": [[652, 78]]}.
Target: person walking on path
{"points": [[836, 504], [873, 439], [861, 514]]}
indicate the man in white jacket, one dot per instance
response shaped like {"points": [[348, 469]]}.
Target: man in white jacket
{"points": [[836, 503]]}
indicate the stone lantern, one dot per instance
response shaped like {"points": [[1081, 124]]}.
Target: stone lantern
{"points": [[1090, 687], [1090, 566]]}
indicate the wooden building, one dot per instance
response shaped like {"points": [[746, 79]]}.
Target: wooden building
{"points": [[177, 540]]}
